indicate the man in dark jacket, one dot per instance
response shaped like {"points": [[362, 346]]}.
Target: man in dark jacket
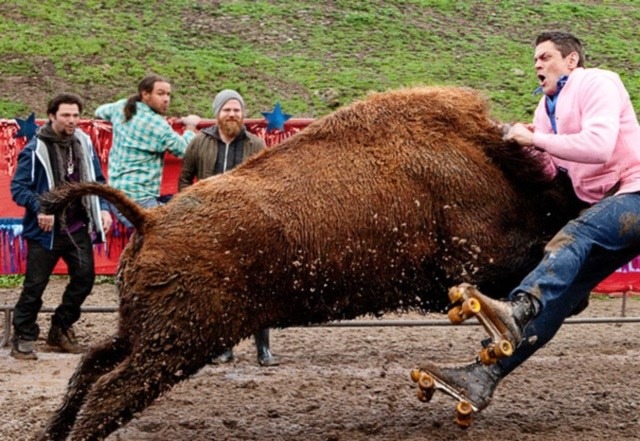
{"points": [[218, 149], [58, 154]]}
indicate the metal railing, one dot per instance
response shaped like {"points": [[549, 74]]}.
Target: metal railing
{"points": [[8, 309]]}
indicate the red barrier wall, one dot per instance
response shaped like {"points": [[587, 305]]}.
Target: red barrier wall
{"points": [[12, 247]]}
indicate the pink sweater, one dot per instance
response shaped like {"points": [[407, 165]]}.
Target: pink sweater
{"points": [[598, 140]]}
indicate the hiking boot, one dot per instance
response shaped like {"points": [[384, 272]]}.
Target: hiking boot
{"points": [[23, 349], [226, 357], [474, 382], [64, 340], [267, 359]]}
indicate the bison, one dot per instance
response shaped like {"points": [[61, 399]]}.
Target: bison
{"points": [[380, 206]]}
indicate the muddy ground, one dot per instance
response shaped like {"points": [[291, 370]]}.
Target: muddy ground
{"points": [[339, 384]]}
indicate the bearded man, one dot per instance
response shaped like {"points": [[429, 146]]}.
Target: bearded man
{"points": [[218, 149], [221, 147]]}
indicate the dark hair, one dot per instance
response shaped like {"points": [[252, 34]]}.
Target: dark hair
{"points": [[146, 85], [63, 98], [565, 42]]}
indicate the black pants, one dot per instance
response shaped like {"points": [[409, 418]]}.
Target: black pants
{"points": [[77, 253]]}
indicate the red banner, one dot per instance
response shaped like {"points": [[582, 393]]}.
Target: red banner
{"points": [[12, 247]]}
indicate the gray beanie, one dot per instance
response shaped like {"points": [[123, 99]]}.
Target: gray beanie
{"points": [[224, 96]]}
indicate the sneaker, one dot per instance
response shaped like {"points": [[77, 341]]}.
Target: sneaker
{"points": [[64, 340], [23, 349], [226, 357], [267, 359], [475, 382]]}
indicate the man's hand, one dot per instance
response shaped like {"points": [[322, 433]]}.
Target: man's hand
{"points": [[107, 221], [190, 122], [520, 133], [45, 222]]}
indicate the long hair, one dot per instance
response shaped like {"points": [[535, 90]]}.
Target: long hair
{"points": [[146, 85]]}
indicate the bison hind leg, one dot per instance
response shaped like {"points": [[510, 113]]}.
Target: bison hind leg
{"points": [[131, 387], [98, 360]]}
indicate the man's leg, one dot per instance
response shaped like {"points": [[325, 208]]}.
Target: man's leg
{"points": [[580, 256], [149, 202], [265, 357], [78, 255], [544, 326], [123, 220], [77, 252], [477, 381], [612, 225], [40, 264]]}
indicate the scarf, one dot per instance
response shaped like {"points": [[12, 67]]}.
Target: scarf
{"points": [[68, 164], [551, 101]]}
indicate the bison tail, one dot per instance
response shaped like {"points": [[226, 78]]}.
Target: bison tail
{"points": [[58, 199]]}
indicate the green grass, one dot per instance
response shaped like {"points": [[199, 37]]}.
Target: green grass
{"points": [[15, 280], [297, 53], [11, 281]]}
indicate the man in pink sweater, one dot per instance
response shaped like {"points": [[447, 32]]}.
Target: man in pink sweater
{"points": [[585, 126]]}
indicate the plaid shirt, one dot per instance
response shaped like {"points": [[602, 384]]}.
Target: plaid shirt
{"points": [[137, 152]]}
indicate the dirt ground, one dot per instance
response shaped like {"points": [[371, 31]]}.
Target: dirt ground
{"points": [[342, 384]]}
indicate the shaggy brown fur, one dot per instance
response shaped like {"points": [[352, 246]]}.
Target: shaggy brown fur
{"points": [[380, 206]]}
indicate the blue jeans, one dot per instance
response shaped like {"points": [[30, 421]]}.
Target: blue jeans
{"points": [[582, 254], [148, 202]]}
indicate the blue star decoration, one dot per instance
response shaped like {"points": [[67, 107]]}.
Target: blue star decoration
{"points": [[275, 118], [27, 127]]}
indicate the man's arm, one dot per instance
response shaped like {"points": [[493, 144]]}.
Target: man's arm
{"points": [[523, 135], [22, 191], [97, 170], [105, 214], [520, 133], [171, 141], [191, 122], [601, 107], [105, 111]]}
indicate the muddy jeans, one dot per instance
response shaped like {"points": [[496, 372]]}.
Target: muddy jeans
{"points": [[583, 253]]}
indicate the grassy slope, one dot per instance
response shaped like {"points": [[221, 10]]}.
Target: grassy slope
{"points": [[312, 56]]}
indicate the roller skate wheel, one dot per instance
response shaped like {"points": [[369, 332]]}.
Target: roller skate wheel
{"points": [[425, 382], [422, 396], [486, 356], [455, 294], [471, 307], [455, 315], [463, 414], [503, 349]]}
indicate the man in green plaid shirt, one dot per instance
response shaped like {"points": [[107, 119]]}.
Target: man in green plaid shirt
{"points": [[141, 136]]}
